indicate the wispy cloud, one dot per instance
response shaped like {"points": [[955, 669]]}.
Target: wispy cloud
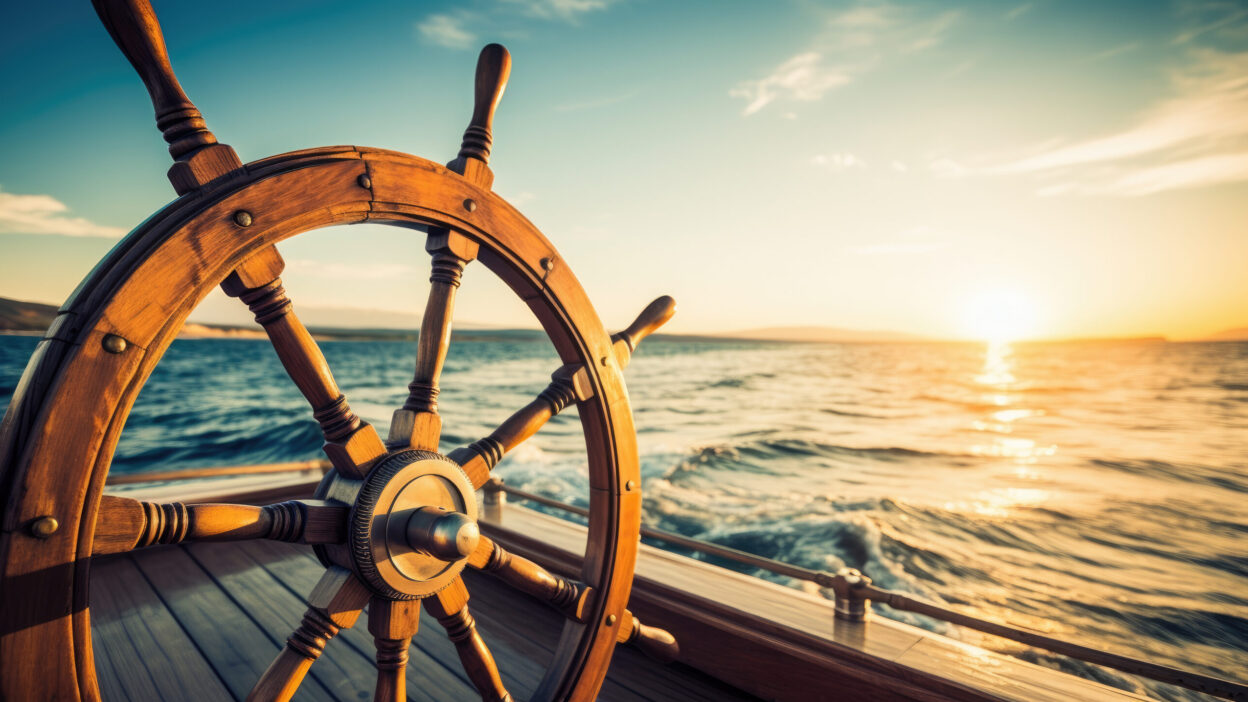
{"points": [[802, 77], [911, 248], [852, 43], [837, 161], [459, 29], [595, 102], [447, 30], [521, 199], [44, 214], [1114, 51], [947, 168], [1217, 17], [1197, 137], [1019, 10], [567, 10], [912, 242]]}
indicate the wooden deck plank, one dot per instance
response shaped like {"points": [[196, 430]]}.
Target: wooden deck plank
{"points": [[632, 675], [237, 649], [433, 670], [341, 670], [141, 652]]}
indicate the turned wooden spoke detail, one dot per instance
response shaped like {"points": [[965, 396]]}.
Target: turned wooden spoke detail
{"points": [[392, 623], [568, 384], [391, 669], [658, 644], [351, 443], [450, 608], [493, 70], [199, 158], [655, 315], [569, 597], [124, 524], [565, 595], [416, 424], [335, 604]]}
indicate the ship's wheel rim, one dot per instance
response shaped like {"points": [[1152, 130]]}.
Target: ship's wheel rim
{"points": [[143, 292]]}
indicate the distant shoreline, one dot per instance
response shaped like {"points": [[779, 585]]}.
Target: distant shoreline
{"points": [[20, 318]]}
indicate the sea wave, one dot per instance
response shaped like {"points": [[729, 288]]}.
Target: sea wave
{"points": [[1124, 521]]}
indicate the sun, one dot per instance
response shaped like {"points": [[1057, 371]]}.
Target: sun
{"points": [[1000, 316]]}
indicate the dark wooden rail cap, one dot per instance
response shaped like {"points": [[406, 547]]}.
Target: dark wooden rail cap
{"points": [[198, 156]]}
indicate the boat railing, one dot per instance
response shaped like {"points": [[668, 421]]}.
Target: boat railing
{"points": [[853, 592]]}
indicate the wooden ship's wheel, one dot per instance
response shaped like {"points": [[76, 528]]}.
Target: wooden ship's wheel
{"points": [[394, 522]]}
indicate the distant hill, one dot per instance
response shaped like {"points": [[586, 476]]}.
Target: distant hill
{"points": [[332, 320], [324, 322], [18, 315], [1238, 334], [820, 334]]}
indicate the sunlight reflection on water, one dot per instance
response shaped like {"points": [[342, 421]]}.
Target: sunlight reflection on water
{"points": [[998, 375]]}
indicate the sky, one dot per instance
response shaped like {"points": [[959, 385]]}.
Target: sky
{"points": [[958, 170]]}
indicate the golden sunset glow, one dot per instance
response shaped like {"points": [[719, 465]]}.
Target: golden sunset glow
{"points": [[1000, 315]]}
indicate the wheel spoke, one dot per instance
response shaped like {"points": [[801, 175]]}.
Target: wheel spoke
{"points": [[569, 383], [124, 524], [417, 423], [530, 578], [567, 596], [334, 604], [392, 623], [350, 443], [450, 608]]}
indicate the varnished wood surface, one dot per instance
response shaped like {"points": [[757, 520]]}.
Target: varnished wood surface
{"points": [[143, 292], [209, 617]]}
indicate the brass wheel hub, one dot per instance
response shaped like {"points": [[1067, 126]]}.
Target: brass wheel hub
{"points": [[413, 525]]}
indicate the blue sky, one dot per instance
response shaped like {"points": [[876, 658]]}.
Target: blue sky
{"points": [[939, 168]]}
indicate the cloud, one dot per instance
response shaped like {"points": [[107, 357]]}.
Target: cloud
{"points": [[912, 242], [1196, 137], [595, 103], [852, 43], [44, 214], [567, 10], [1221, 19], [947, 168], [1019, 11], [800, 78], [521, 199], [900, 248], [1114, 51], [837, 161], [447, 30], [451, 29]]}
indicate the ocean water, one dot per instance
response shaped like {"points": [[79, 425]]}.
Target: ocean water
{"points": [[1091, 491]]}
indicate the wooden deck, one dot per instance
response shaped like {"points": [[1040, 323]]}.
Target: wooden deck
{"points": [[212, 616], [209, 618]]}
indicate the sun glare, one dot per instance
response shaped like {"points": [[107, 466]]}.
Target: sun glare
{"points": [[1000, 316]]}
